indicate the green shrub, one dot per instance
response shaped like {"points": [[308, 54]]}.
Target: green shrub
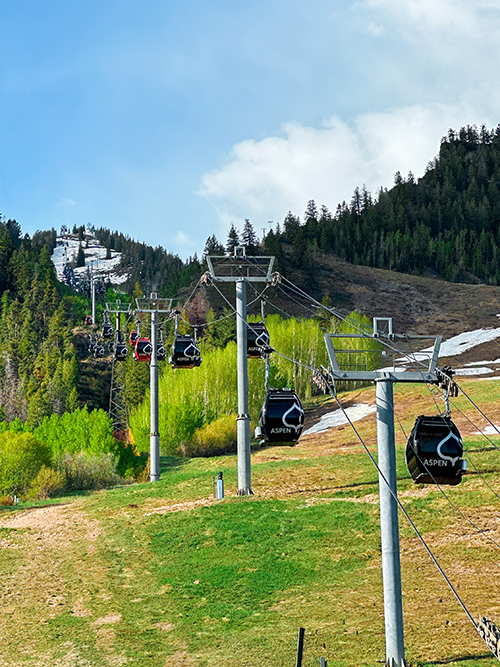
{"points": [[47, 483], [16, 426], [130, 463], [21, 457], [85, 471], [78, 431], [213, 439]]}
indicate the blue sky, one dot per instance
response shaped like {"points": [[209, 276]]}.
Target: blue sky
{"points": [[168, 120]]}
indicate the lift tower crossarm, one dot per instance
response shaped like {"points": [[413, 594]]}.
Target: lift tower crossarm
{"points": [[118, 307], [428, 375]]}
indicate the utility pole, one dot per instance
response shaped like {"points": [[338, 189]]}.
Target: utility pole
{"points": [[389, 526], [240, 269], [154, 305]]}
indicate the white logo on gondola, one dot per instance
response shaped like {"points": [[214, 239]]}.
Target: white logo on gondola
{"points": [[453, 459], [262, 339], [194, 354], [301, 412]]}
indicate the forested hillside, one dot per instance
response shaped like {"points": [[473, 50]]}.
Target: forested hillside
{"points": [[155, 269], [38, 365], [445, 223]]}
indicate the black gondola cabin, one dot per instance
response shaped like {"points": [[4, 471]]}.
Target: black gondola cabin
{"points": [[120, 351], [161, 353], [143, 349], [99, 351], [107, 330], [134, 337], [281, 418], [185, 353], [257, 340], [434, 451], [88, 320]]}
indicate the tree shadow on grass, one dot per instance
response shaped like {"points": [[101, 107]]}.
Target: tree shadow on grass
{"points": [[172, 463], [463, 658]]}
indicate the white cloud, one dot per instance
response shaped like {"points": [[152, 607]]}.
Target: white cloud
{"points": [[436, 59], [375, 29], [65, 201], [182, 244], [264, 179], [451, 15]]}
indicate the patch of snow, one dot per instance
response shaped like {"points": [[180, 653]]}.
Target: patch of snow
{"points": [[490, 430], [456, 345], [482, 370], [482, 363], [467, 340], [337, 417], [66, 251]]}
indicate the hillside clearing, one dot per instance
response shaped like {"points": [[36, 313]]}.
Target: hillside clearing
{"points": [[164, 575]]}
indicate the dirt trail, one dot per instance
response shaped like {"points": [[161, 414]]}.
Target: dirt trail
{"points": [[44, 551], [55, 524]]}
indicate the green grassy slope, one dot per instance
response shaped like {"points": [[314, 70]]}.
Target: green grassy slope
{"points": [[164, 575]]}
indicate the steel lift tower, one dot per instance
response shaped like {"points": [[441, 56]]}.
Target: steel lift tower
{"points": [[154, 306], [355, 364], [240, 269]]}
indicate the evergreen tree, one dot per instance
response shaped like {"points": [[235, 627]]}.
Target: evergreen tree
{"points": [[221, 330], [311, 212], [291, 225], [80, 257], [249, 237], [233, 240], [213, 247], [6, 249]]}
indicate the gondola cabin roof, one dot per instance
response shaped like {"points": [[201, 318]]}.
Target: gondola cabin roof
{"points": [[434, 451], [185, 353]]}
